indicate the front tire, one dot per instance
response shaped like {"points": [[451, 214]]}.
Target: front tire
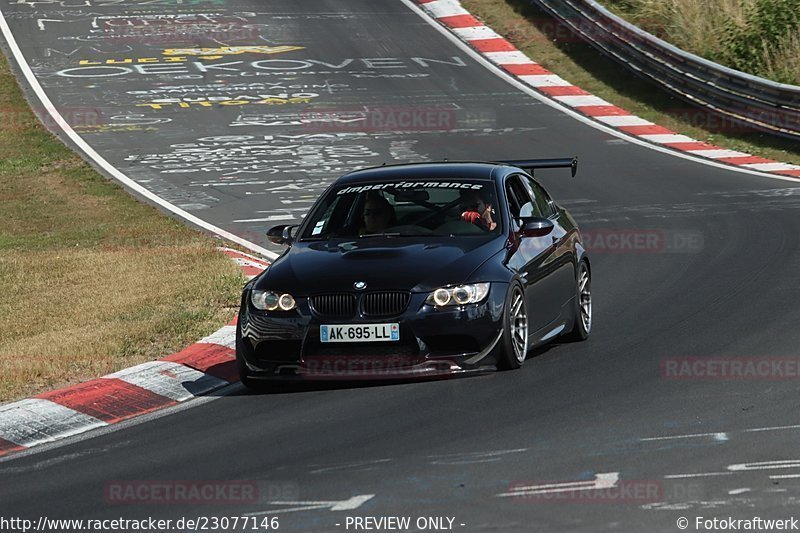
{"points": [[583, 305], [514, 343]]}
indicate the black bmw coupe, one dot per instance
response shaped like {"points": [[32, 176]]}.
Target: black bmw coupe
{"points": [[418, 270]]}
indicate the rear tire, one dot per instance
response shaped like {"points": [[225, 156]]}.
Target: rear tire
{"points": [[514, 342], [583, 305]]}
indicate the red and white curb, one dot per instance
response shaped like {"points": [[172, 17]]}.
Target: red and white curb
{"points": [[204, 367], [505, 55], [251, 265]]}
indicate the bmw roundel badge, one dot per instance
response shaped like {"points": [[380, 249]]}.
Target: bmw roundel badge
{"points": [[360, 285]]}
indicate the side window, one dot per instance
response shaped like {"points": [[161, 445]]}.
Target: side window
{"points": [[540, 196], [335, 217], [519, 201]]}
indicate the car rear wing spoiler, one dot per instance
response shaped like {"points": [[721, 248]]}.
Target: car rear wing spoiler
{"points": [[531, 164]]}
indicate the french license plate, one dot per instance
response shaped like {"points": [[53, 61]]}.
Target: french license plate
{"points": [[359, 333]]}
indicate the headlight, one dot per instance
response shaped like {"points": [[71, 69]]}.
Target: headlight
{"points": [[460, 295], [272, 301]]}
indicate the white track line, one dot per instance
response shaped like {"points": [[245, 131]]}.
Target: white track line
{"points": [[715, 436], [773, 428], [701, 474]]}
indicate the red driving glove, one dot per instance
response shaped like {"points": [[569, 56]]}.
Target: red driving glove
{"points": [[473, 217]]}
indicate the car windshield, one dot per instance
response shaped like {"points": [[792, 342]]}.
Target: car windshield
{"points": [[405, 209]]}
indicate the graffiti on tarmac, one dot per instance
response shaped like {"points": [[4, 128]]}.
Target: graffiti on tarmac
{"points": [[231, 155], [231, 50], [178, 67], [182, 55], [121, 3], [238, 100], [172, 30], [227, 88]]}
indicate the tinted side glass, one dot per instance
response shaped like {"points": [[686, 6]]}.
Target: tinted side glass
{"points": [[542, 199], [519, 201]]}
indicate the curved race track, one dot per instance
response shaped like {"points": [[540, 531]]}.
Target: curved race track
{"points": [[718, 279]]}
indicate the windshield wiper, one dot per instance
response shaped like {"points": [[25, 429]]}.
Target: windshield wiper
{"points": [[387, 234], [313, 239]]}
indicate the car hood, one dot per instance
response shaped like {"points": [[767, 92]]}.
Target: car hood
{"points": [[395, 263]]}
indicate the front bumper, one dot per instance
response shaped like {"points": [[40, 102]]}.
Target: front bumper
{"points": [[433, 342]]}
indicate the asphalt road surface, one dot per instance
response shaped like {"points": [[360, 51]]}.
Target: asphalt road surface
{"points": [[689, 261]]}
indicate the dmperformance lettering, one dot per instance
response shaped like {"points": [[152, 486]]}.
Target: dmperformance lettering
{"points": [[409, 185]]}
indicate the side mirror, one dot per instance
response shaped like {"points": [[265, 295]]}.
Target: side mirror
{"points": [[281, 234], [536, 227]]}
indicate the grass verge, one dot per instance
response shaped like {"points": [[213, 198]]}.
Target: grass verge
{"points": [[91, 280], [551, 45]]}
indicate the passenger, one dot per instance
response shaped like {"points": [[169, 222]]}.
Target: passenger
{"points": [[377, 216], [477, 210]]}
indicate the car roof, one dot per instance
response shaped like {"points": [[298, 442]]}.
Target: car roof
{"points": [[427, 171]]}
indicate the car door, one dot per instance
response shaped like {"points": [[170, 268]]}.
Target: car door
{"points": [[533, 258], [563, 260]]}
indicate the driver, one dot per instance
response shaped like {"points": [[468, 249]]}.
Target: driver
{"points": [[477, 210], [378, 215]]}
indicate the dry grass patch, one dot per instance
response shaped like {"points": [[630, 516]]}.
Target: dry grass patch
{"points": [[694, 25], [69, 315]]}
